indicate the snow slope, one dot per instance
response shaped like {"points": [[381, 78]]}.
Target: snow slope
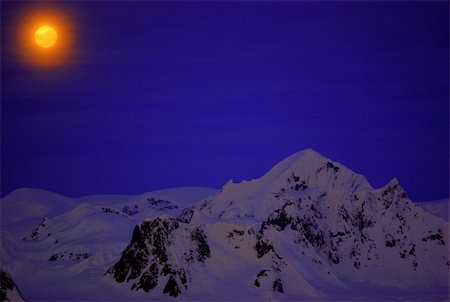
{"points": [[27, 203], [438, 208]]}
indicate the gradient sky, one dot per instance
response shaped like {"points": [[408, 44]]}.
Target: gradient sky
{"points": [[159, 95]]}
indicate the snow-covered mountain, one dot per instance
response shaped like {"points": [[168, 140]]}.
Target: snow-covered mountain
{"points": [[78, 245], [309, 229]]}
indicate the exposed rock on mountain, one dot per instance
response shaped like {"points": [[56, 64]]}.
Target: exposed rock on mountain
{"points": [[162, 251], [8, 289]]}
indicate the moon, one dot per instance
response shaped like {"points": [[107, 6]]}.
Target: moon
{"points": [[45, 36]]}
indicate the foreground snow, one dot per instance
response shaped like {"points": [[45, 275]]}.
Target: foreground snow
{"points": [[309, 229]]}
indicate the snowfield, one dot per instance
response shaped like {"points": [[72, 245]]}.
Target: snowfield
{"points": [[310, 229]]}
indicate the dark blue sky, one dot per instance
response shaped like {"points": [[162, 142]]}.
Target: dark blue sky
{"points": [[158, 95]]}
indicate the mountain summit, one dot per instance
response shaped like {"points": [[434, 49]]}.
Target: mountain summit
{"points": [[316, 169], [303, 173]]}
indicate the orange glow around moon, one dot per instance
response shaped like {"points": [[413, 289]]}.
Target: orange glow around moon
{"points": [[45, 37]]}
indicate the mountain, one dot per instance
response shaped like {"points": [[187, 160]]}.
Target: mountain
{"points": [[309, 229], [78, 245]]}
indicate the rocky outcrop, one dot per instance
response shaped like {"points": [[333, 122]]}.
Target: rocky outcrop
{"points": [[8, 289], [161, 251]]}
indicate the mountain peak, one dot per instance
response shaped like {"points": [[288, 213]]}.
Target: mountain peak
{"points": [[393, 187], [393, 182], [315, 169], [308, 152], [299, 160], [301, 173]]}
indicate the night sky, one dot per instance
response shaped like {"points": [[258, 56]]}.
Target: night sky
{"points": [[155, 95]]}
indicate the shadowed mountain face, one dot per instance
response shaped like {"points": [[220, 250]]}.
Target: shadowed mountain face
{"points": [[149, 258], [308, 228]]}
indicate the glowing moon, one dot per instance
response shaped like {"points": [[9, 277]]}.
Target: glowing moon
{"points": [[45, 36]]}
